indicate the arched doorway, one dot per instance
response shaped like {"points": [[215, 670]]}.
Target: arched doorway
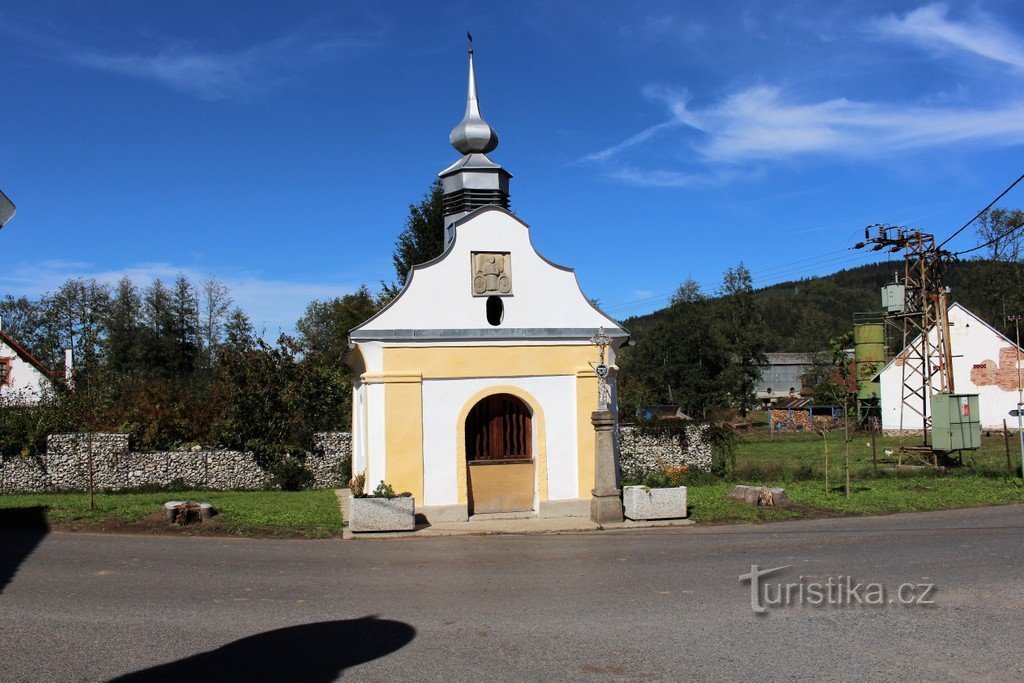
{"points": [[499, 455]]}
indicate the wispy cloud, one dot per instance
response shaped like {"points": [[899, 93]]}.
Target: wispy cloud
{"points": [[748, 128], [271, 304], [666, 178], [930, 27], [210, 75], [763, 123], [666, 27]]}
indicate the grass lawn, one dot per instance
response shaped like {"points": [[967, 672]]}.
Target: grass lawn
{"points": [[796, 461], [884, 495], [311, 514]]}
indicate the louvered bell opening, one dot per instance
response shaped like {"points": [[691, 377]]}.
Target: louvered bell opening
{"points": [[464, 201]]}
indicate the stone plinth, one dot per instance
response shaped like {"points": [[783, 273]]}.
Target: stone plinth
{"points": [[606, 503], [643, 503]]}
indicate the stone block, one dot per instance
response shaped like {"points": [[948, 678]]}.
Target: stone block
{"points": [[643, 503], [381, 514], [760, 495]]}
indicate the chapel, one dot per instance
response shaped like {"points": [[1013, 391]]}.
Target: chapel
{"points": [[474, 388]]}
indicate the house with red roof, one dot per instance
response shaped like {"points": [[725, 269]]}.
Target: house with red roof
{"points": [[23, 378]]}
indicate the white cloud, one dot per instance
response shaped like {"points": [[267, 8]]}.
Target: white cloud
{"points": [[271, 304], [930, 27], [207, 75], [666, 26], [762, 123]]}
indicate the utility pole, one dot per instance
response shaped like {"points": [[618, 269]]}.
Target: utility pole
{"points": [[918, 305]]}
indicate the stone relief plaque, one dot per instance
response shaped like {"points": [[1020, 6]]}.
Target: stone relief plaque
{"points": [[492, 273]]}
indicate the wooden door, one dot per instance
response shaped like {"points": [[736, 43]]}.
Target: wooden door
{"points": [[499, 427]]}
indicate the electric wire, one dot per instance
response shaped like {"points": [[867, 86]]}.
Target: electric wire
{"points": [[756, 275], [980, 213], [990, 242]]}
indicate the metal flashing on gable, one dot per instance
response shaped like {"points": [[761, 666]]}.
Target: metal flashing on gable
{"points": [[478, 333]]}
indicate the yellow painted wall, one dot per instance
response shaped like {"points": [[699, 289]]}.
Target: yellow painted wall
{"points": [[488, 361], [406, 367], [403, 431], [586, 403]]}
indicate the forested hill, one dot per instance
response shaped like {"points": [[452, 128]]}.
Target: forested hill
{"points": [[803, 315]]}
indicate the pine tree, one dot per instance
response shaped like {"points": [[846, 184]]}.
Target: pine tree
{"points": [[185, 321], [422, 239], [239, 335], [123, 337]]}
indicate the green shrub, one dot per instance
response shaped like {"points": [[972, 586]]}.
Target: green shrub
{"points": [[290, 474]]}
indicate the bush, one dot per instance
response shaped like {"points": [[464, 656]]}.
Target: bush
{"points": [[385, 491], [290, 474]]}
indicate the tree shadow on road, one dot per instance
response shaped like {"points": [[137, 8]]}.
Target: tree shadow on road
{"points": [[310, 652], [21, 530]]}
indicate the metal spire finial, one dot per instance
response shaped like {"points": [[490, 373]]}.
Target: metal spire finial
{"points": [[473, 135]]}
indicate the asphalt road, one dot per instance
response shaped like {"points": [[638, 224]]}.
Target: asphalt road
{"points": [[651, 604]]}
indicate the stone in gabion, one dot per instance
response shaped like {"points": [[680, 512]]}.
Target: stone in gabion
{"points": [[65, 466], [643, 454]]}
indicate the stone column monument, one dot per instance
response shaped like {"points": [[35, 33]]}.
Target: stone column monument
{"points": [[606, 503]]}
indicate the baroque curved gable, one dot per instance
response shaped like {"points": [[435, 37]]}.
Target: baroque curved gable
{"points": [[491, 257]]}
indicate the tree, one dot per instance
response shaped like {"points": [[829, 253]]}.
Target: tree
{"points": [[72, 320], [122, 338], [744, 330], [185, 325], [239, 335], [422, 239], [323, 329], [681, 359], [687, 292], [1002, 227], [216, 302]]}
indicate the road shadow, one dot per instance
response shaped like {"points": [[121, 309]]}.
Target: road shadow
{"points": [[308, 653], [21, 530]]}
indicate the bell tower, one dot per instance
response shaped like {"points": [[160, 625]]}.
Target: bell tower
{"points": [[474, 180]]}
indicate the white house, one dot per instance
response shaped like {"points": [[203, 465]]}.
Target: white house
{"points": [[984, 363], [22, 377], [474, 387]]}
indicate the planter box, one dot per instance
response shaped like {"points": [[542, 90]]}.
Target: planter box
{"points": [[642, 503], [381, 514]]}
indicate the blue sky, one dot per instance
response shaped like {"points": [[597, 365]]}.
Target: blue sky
{"points": [[277, 146]]}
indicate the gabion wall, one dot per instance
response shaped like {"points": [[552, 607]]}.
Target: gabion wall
{"points": [[642, 454], [65, 466]]}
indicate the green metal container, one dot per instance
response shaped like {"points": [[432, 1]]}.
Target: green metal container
{"points": [[956, 422], [869, 356]]}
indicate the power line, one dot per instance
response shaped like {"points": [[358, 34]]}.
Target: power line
{"points": [[756, 275], [991, 241], [979, 214], [760, 282]]}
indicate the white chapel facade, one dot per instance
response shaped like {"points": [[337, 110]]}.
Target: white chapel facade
{"points": [[473, 389]]}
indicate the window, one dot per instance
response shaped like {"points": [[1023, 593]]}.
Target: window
{"points": [[495, 310], [5, 371], [499, 428]]}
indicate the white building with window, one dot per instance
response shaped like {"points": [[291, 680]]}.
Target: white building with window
{"points": [[23, 379], [985, 362]]}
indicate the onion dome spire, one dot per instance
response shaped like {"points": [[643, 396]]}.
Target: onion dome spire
{"points": [[474, 181], [473, 135]]}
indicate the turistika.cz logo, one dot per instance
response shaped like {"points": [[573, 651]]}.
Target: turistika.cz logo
{"points": [[835, 591]]}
